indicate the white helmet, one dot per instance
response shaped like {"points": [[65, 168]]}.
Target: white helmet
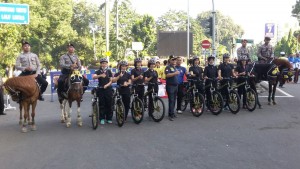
{"points": [[282, 53]]}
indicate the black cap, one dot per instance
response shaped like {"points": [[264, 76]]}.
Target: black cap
{"points": [[71, 44], [267, 38], [25, 43], [172, 57]]}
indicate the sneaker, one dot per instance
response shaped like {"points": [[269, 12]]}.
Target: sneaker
{"points": [[179, 112], [102, 121], [171, 118], [109, 121]]}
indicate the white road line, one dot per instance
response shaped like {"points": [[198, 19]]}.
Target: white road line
{"points": [[283, 92], [278, 96]]}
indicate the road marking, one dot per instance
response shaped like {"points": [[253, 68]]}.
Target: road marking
{"points": [[280, 90]]}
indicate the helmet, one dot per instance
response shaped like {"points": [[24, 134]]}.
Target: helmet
{"points": [[211, 57], [282, 53], [151, 61], [226, 55], [103, 60], [123, 63], [195, 57], [137, 60]]}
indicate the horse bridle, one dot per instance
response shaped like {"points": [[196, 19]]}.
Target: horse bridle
{"points": [[11, 91]]}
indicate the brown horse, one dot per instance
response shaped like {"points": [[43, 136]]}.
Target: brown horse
{"points": [[74, 93], [25, 91], [273, 72]]}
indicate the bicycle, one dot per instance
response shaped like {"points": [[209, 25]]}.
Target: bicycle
{"points": [[233, 98], [215, 103], [251, 95], [95, 108], [118, 107], [194, 97], [137, 106], [157, 111]]}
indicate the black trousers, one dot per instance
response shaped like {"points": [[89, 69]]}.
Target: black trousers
{"points": [[105, 101], [207, 90], [224, 90], [140, 90], [180, 94], [126, 102], [41, 81], [242, 91]]}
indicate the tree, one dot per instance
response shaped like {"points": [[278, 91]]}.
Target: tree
{"points": [[296, 10], [226, 29], [287, 44], [144, 31]]}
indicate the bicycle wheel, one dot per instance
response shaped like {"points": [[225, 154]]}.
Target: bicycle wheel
{"points": [[137, 110], [95, 115], [158, 112], [251, 99], [197, 106], [184, 102], [233, 101], [120, 113], [216, 103]]}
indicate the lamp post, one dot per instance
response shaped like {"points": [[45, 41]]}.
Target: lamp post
{"points": [[107, 25], [188, 30], [93, 29]]}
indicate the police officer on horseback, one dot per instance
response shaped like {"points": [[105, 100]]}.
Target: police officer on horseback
{"points": [[265, 52], [243, 51], [68, 62], [29, 64]]}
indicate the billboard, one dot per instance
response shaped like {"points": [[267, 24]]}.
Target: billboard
{"points": [[14, 13], [174, 43]]}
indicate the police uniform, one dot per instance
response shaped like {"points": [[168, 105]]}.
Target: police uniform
{"points": [[242, 51], [65, 62], [105, 95], [171, 87], [31, 60], [265, 52], [124, 91]]}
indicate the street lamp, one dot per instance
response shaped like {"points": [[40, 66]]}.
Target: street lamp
{"points": [[213, 31], [93, 29]]}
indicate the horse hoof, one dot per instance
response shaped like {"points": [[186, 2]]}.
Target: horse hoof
{"points": [[62, 121], [24, 129], [79, 124], [33, 127], [68, 125]]}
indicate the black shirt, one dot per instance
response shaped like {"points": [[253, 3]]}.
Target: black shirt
{"points": [[121, 80], [151, 73], [171, 80], [198, 71], [226, 69], [137, 72], [211, 71], [103, 81]]}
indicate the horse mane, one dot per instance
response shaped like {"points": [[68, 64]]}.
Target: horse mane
{"points": [[283, 62], [25, 84]]}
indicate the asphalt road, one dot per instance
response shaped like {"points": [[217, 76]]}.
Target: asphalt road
{"points": [[267, 138]]}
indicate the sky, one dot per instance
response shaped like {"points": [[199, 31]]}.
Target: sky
{"points": [[251, 15]]}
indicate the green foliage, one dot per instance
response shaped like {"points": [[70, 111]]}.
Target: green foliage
{"points": [[287, 44]]}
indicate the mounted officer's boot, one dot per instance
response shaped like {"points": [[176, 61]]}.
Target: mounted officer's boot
{"points": [[41, 98]]}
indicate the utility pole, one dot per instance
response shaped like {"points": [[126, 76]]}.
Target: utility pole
{"points": [[214, 30], [188, 30], [117, 29], [107, 25]]}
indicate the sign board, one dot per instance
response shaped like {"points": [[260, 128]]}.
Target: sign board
{"points": [[108, 53], [205, 52], [137, 46], [270, 30], [14, 13], [205, 44], [248, 40]]}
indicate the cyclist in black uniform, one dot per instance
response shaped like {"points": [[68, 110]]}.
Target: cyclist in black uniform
{"points": [[210, 71], [104, 76], [123, 80], [225, 70], [196, 73], [138, 78], [151, 76]]}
